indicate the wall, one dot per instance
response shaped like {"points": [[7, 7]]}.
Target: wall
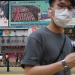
{"points": [[16, 37]]}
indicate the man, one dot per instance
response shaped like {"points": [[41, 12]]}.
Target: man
{"points": [[44, 45], [16, 59]]}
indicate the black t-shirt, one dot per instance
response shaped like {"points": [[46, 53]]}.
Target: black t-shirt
{"points": [[43, 47]]}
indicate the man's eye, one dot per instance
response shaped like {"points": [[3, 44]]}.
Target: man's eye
{"points": [[70, 8], [60, 5]]}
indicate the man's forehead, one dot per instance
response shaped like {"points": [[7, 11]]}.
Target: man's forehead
{"points": [[63, 0], [66, 2]]}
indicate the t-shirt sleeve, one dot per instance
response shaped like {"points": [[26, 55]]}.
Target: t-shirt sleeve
{"points": [[32, 53]]}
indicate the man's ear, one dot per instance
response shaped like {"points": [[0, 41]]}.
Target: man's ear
{"points": [[49, 11]]}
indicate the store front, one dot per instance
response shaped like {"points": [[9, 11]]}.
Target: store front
{"points": [[13, 44]]}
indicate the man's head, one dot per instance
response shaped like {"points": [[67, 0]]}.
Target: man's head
{"points": [[60, 11]]}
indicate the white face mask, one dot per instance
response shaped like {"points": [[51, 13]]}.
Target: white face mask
{"points": [[62, 17]]}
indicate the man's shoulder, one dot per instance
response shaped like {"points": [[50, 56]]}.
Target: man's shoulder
{"points": [[37, 33]]}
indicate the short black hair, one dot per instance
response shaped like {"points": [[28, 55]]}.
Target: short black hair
{"points": [[52, 1]]}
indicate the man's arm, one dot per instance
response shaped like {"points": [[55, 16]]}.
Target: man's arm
{"points": [[52, 68], [44, 70]]}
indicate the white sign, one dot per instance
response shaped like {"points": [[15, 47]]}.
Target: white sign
{"points": [[1, 57], [3, 22]]}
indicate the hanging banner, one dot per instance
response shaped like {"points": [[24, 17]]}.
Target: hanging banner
{"points": [[34, 28], [7, 32]]}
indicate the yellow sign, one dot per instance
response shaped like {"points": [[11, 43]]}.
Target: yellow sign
{"points": [[70, 31]]}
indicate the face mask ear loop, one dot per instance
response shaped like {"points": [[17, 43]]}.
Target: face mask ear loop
{"points": [[49, 13], [53, 9], [70, 13], [54, 12]]}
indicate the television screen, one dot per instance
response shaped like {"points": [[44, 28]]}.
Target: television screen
{"points": [[24, 13], [28, 12]]}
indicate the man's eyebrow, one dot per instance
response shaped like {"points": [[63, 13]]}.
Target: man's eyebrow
{"points": [[60, 2], [64, 4]]}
